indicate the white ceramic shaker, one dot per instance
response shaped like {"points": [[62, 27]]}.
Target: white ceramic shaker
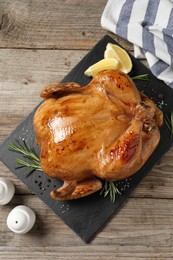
{"points": [[6, 190], [21, 219]]}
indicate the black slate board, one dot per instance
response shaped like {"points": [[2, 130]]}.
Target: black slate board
{"points": [[88, 215]]}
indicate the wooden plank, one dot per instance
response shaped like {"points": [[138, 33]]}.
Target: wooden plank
{"points": [[70, 24], [137, 231], [23, 73]]}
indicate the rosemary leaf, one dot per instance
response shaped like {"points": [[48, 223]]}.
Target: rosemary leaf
{"points": [[172, 123], [27, 173], [22, 163], [32, 160], [141, 77], [167, 119], [169, 122], [110, 188], [23, 149], [106, 193]]}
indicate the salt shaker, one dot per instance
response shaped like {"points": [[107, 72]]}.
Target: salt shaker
{"points": [[21, 219], [6, 190]]}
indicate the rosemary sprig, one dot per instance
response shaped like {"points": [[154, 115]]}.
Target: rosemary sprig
{"points": [[169, 122], [141, 77], [32, 159], [110, 188]]}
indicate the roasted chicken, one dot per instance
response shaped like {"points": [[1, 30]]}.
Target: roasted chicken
{"points": [[103, 131]]}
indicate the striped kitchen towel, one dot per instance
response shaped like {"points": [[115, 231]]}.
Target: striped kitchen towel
{"points": [[148, 24]]}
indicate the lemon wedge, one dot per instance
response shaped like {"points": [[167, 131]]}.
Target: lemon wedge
{"points": [[105, 64], [113, 51]]}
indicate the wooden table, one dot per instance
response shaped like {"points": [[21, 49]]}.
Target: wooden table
{"points": [[40, 42]]}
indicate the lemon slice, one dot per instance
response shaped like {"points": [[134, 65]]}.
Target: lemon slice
{"points": [[105, 64], [116, 52]]}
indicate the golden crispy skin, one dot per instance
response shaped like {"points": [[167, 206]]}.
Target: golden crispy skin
{"points": [[106, 129]]}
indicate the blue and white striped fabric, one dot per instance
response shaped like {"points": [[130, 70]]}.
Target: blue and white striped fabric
{"points": [[148, 24]]}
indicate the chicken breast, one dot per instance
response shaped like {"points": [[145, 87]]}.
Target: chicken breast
{"points": [[103, 131]]}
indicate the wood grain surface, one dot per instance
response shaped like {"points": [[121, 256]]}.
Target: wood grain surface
{"points": [[40, 42]]}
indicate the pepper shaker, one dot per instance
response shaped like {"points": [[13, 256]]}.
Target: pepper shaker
{"points": [[6, 190], [21, 219]]}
